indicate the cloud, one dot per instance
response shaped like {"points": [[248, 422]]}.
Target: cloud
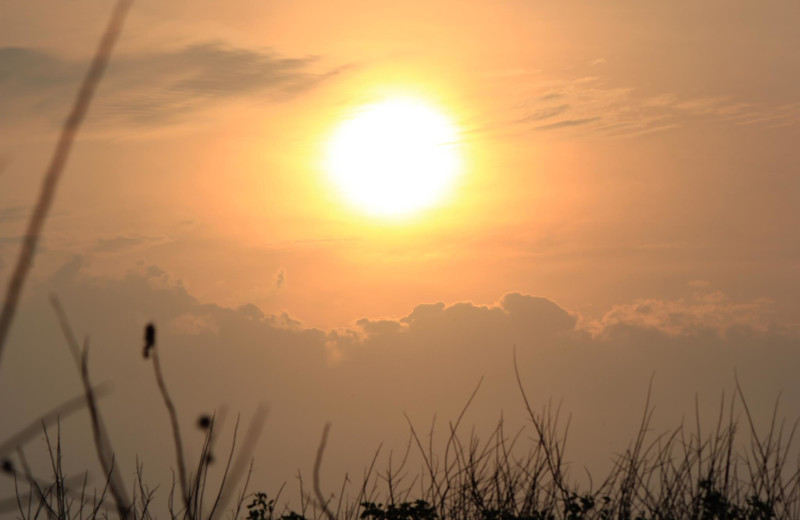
{"points": [[14, 213], [365, 376], [9, 248], [707, 313], [568, 123], [591, 103], [545, 113], [121, 243], [23, 70], [117, 243], [17, 239], [153, 87], [67, 272], [527, 316]]}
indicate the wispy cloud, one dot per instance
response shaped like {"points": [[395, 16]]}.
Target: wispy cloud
{"points": [[568, 123], [123, 243], [148, 88], [14, 213], [544, 113], [597, 107]]}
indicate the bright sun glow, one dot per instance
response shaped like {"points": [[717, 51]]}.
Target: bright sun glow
{"points": [[395, 157]]}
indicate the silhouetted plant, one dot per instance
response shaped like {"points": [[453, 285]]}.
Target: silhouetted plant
{"points": [[417, 510], [261, 508], [577, 507]]}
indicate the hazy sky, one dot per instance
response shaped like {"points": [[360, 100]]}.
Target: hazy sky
{"points": [[627, 206]]}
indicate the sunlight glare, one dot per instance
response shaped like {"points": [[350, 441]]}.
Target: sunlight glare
{"points": [[395, 157]]}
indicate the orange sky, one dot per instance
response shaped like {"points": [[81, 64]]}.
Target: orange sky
{"points": [[633, 163], [630, 148]]}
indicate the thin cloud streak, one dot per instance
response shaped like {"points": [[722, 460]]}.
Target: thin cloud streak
{"points": [[155, 87], [599, 108]]}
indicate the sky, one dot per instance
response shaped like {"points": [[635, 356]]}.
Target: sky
{"points": [[625, 208]]}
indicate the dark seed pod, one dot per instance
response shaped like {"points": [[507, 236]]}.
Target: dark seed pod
{"points": [[204, 422], [149, 339]]}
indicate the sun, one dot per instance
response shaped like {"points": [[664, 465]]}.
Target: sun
{"points": [[394, 158]]}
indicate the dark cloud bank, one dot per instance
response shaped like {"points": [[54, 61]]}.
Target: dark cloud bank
{"points": [[364, 378]]}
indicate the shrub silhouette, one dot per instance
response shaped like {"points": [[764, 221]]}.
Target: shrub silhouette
{"points": [[417, 510]]}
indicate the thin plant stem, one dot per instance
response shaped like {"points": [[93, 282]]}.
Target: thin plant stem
{"points": [[317, 465], [57, 163]]}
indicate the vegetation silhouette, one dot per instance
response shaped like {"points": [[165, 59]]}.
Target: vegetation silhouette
{"points": [[678, 474]]}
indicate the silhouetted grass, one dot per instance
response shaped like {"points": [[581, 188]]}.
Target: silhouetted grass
{"points": [[730, 472], [678, 474]]}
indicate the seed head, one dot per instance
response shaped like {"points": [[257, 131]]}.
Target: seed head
{"points": [[149, 339], [204, 422]]}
